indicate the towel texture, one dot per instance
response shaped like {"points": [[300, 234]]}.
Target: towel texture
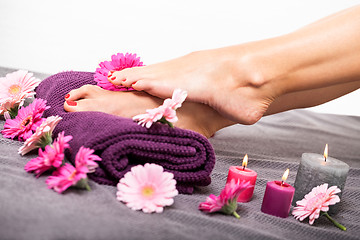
{"points": [[122, 143]]}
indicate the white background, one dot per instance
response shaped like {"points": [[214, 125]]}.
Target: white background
{"points": [[51, 36]]}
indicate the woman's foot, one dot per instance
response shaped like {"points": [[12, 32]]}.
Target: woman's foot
{"points": [[231, 85], [192, 116]]}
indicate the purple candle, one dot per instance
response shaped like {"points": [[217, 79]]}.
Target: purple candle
{"points": [[278, 197]]}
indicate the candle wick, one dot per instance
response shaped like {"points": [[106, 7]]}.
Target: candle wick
{"points": [[243, 168], [325, 159], [282, 182]]}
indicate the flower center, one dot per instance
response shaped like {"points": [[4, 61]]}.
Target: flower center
{"points": [[14, 89], [315, 201], [72, 175], [26, 121], [147, 191]]}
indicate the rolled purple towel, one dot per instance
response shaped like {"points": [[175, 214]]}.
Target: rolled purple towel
{"points": [[122, 143]]}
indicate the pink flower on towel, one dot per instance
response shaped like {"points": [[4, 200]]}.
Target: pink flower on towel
{"points": [[85, 160], [68, 175], [118, 62], [64, 177], [147, 188], [15, 87], [27, 120], [166, 113], [226, 202], [52, 157], [9, 107], [317, 202], [42, 135]]}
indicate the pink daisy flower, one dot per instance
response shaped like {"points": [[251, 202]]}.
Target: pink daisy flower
{"points": [[226, 202], [9, 107], [85, 160], [52, 157], [61, 142], [118, 62], [147, 188], [68, 175], [166, 113], [15, 88], [64, 177], [25, 123], [151, 116], [42, 135], [317, 202]]}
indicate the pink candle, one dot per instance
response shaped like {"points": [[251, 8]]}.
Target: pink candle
{"points": [[243, 173], [278, 197]]}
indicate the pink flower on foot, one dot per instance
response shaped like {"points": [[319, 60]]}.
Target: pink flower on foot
{"points": [[85, 160], [52, 157], [118, 62], [64, 177], [27, 120], [147, 188], [42, 135], [318, 200], [166, 113], [226, 202]]}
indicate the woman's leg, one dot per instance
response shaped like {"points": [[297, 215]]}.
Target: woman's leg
{"points": [[242, 81]]}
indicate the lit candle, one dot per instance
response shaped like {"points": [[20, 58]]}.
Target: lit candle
{"points": [[316, 169], [243, 173], [277, 198]]}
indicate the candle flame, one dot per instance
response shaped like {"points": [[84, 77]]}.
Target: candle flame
{"points": [[244, 162], [326, 152], [285, 176]]}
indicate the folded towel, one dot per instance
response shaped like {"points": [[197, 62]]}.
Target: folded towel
{"points": [[122, 143]]}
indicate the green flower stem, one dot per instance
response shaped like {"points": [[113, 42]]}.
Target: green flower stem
{"points": [[334, 222], [236, 215], [163, 120]]}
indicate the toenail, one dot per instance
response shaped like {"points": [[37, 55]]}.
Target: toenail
{"points": [[113, 78], [67, 95], [71, 103], [123, 80]]}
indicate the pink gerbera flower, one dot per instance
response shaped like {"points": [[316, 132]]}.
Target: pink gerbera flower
{"points": [[68, 175], [85, 160], [317, 202], [64, 177], [15, 88], [226, 202], [147, 188], [166, 113], [61, 142], [52, 157], [118, 62], [25, 123], [9, 107], [42, 135]]}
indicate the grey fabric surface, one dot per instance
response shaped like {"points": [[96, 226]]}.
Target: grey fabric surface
{"points": [[28, 210]]}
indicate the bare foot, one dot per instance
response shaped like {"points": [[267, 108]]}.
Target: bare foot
{"points": [[192, 116], [218, 78]]}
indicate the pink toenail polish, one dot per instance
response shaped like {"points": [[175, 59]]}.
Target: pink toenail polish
{"points": [[113, 78], [71, 103], [67, 95], [123, 80]]}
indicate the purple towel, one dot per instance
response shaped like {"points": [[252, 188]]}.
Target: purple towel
{"points": [[122, 143]]}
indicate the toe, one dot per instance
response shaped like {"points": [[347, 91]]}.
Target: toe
{"points": [[71, 106], [80, 93], [126, 77]]}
